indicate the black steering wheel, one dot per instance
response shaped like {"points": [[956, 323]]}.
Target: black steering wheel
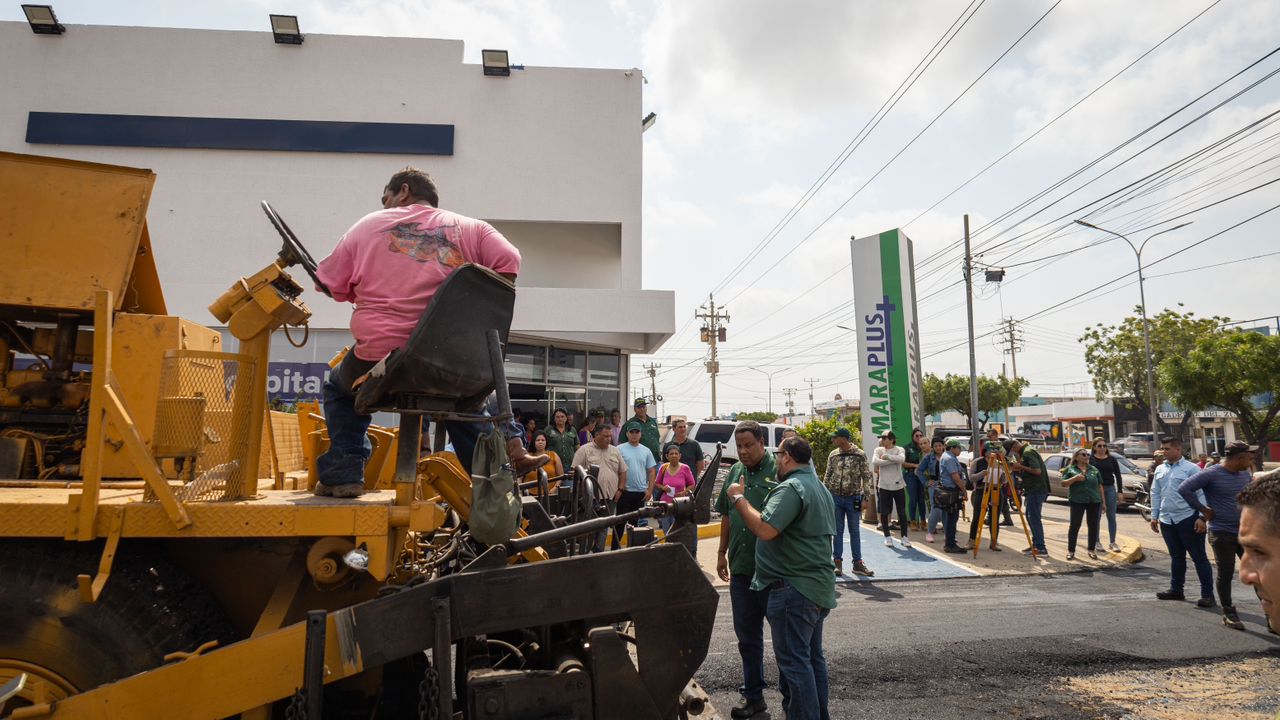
{"points": [[292, 252]]}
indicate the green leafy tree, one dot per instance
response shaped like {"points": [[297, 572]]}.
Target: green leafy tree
{"points": [[1235, 371], [951, 392], [1117, 360], [764, 417], [819, 431]]}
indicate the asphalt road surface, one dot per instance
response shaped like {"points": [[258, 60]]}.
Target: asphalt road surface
{"points": [[1076, 645]]}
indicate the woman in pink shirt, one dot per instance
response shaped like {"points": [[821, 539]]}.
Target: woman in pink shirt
{"points": [[674, 479]]}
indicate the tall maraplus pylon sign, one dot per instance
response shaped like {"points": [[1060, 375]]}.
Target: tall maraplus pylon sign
{"points": [[884, 300]]}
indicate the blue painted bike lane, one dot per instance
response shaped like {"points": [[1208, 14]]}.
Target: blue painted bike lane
{"points": [[898, 563]]}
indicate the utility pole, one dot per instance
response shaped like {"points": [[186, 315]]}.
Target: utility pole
{"points": [[652, 369], [1011, 343], [791, 403], [813, 409], [1152, 402], [713, 332], [973, 356]]}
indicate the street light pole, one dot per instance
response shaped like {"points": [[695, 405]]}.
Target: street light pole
{"points": [[1146, 331], [770, 376]]}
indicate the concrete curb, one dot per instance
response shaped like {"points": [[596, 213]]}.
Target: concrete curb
{"points": [[1010, 563]]}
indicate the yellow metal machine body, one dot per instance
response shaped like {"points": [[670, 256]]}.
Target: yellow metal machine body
{"points": [[122, 427], [155, 559]]}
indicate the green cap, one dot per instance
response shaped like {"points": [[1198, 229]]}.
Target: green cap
{"points": [[954, 443], [640, 401], [633, 425]]}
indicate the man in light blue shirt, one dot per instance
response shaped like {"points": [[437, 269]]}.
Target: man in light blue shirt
{"points": [[641, 469], [1182, 527]]}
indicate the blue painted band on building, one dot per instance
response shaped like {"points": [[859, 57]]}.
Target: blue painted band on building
{"points": [[238, 134]]}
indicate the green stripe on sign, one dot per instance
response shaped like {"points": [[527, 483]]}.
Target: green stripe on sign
{"points": [[900, 371]]}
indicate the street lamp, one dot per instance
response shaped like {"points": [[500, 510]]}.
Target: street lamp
{"points": [[1146, 332], [770, 376]]}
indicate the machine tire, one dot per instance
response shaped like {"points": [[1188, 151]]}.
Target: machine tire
{"points": [[148, 608]]}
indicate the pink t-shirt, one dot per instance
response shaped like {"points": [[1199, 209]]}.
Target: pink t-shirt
{"points": [[391, 262], [679, 482]]}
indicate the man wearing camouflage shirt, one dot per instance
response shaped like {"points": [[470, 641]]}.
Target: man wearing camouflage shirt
{"points": [[847, 477]]}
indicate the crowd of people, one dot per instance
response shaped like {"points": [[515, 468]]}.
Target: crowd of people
{"points": [[781, 534], [633, 467]]}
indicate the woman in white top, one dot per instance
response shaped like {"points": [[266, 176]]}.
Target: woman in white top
{"points": [[891, 487]]}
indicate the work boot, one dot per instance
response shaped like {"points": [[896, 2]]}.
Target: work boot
{"points": [[860, 568], [521, 461], [839, 567], [1230, 618], [345, 490], [748, 708], [1171, 595], [1206, 602]]}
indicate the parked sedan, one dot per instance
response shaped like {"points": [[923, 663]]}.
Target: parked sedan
{"points": [[1131, 478], [1134, 444]]}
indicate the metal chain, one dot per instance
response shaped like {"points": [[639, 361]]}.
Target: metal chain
{"points": [[297, 709], [429, 695]]}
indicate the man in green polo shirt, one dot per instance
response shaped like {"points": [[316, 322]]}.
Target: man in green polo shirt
{"points": [[649, 434], [1025, 460], [755, 472], [793, 562]]}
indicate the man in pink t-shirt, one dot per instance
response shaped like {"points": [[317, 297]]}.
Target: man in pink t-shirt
{"points": [[389, 264]]}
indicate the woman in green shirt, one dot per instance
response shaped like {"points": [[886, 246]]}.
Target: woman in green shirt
{"points": [[562, 438], [1084, 490]]}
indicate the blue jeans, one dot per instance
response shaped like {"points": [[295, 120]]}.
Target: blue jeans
{"points": [[1034, 503], [349, 448], [1109, 493], [936, 514], [1182, 539], [795, 624], [847, 511], [916, 508], [749, 607]]}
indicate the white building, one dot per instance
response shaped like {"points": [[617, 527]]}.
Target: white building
{"points": [[551, 156]]}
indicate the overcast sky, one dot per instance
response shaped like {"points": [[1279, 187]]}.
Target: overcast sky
{"points": [[756, 101]]}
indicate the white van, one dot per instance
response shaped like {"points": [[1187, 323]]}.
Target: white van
{"points": [[709, 432]]}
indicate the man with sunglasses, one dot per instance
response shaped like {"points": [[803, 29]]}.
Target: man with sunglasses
{"points": [[793, 562], [390, 265]]}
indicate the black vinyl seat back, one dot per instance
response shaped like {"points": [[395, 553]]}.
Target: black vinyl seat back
{"points": [[444, 365]]}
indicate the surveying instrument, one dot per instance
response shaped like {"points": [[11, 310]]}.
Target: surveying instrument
{"points": [[990, 506]]}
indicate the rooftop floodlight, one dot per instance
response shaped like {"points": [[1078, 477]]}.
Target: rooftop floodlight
{"points": [[42, 20], [648, 121], [285, 29], [495, 63]]}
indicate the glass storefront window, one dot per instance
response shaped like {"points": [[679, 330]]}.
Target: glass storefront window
{"points": [[603, 370], [526, 362], [566, 366], [603, 402]]}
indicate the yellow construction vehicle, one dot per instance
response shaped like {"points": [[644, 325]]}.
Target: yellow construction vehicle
{"points": [[156, 562]]}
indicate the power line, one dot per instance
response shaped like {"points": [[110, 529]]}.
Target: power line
{"points": [[945, 257], [1045, 311], [904, 148], [883, 111], [1058, 117]]}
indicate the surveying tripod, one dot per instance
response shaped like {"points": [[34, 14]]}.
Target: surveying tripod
{"points": [[991, 502]]}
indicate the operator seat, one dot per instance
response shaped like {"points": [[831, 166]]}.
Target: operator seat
{"points": [[444, 369]]}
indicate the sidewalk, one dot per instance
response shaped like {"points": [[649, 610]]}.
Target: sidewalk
{"points": [[927, 561]]}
